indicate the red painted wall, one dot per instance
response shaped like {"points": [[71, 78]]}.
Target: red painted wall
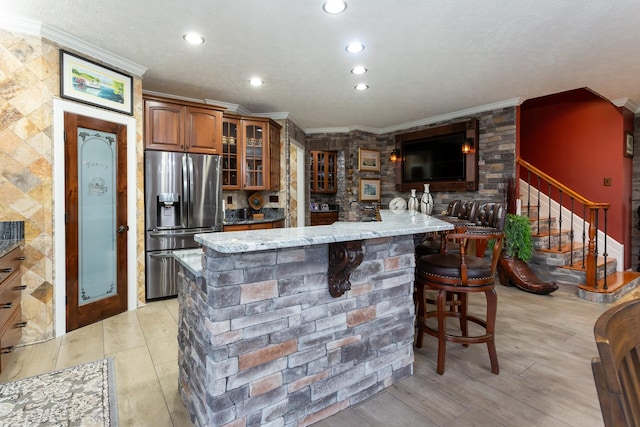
{"points": [[577, 137]]}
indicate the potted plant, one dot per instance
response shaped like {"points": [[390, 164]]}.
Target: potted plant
{"points": [[513, 267]]}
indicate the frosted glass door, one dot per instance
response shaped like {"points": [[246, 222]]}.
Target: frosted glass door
{"points": [[97, 215]]}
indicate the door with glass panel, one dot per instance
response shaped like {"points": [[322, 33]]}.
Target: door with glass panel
{"points": [[96, 219]]}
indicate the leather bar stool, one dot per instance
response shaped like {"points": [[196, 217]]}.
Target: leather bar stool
{"points": [[457, 276]]}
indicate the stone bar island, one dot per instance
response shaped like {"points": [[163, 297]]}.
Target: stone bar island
{"points": [[285, 327]]}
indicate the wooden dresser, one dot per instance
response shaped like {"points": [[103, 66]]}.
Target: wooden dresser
{"points": [[11, 288]]}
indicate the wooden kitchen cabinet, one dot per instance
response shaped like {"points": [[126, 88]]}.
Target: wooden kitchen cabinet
{"points": [[323, 168], [174, 126], [11, 288], [256, 226], [250, 154], [324, 218]]}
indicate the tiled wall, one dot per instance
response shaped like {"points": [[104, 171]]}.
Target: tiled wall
{"points": [[496, 162], [262, 342], [29, 80]]}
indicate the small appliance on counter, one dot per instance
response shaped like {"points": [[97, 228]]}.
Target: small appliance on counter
{"points": [[183, 197]]}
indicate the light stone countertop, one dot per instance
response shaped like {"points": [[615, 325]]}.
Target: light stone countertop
{"points": [[191, 259], [394, 223]]}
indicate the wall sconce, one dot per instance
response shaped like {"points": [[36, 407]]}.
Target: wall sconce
{"points": [[394, 155], [468, 146]]}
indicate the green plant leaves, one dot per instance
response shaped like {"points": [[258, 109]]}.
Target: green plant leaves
{"points": [[518, 240]]}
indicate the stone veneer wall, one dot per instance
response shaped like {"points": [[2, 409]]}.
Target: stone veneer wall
{"points": [[29, 81], [496, 163], [262, 342]]}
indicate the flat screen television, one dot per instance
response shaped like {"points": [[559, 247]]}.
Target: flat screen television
{"points": [[434, 156], [438, 158]]}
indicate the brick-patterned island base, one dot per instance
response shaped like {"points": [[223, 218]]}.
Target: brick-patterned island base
{"points": [[262, 341]]}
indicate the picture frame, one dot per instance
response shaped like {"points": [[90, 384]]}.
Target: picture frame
{"points": [[628, 144], [369, 190], [94, 84], [368, 160]]}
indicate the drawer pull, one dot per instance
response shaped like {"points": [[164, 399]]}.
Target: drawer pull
{"points": [[7, 270], [20, 288], [21, 258], [21, 325], [7, 350], [7, 305]]}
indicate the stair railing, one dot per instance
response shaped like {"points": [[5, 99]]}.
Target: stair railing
{"points": [[590, 216]]}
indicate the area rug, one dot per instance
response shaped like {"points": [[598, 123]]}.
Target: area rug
{"points": [[82, 395]]}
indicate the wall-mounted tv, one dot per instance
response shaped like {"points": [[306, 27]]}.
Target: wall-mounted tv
{"points": [[435, 156]]}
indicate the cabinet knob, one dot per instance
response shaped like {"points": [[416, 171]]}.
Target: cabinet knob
{"points": [[21, 258], [6, 305], [7, 350], [20, 288], [6, 270], [21, 324]]}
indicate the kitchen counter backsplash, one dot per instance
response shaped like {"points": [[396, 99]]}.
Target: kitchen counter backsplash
{"points": [[11, 230], [247, 213]]}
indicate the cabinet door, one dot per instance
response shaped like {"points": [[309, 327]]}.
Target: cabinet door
{"points": [[164, 126], [231, 154], [323, 172], [274, 158], [203, 132], [255, 155]]}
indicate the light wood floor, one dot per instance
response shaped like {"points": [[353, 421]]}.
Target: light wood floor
{"points": [[545, 345]]}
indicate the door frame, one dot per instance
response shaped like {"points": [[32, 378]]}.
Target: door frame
{"points": [[59, 228]]}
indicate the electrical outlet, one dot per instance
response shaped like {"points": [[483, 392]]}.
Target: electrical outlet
{"points": [[607, 182]]}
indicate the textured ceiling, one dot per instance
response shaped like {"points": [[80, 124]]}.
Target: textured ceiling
{"points": [[425, 58]]}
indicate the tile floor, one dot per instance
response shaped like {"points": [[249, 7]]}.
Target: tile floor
{"points": [[145, 351], [545, 345]]}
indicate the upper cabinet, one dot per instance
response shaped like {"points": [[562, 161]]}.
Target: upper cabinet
{"points": [[174, 126], [323, 172], [250, 154]]}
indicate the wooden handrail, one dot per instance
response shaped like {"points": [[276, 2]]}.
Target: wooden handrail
{"points": [[588, 203], [593, 207]]}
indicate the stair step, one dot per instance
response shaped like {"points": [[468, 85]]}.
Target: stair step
{"points": [[618, 285]]}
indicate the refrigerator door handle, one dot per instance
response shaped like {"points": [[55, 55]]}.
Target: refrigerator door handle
{"points": [[191, 188], [186, 213]]}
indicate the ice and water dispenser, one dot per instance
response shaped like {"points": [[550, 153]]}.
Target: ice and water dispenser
{"points": [[168, 210]]}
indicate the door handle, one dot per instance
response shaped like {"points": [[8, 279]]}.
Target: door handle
{"points": [[123, 228]]}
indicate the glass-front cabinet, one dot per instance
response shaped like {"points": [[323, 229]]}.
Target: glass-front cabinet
{"points": [[255, 155], [250, 153], [231, 153], [323, 177]]}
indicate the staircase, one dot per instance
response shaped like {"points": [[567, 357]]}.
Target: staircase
{"points": [[562, 245], [559, 259]]}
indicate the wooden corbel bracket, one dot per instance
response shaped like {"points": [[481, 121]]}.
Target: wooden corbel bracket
{"points": [[344, 257]]}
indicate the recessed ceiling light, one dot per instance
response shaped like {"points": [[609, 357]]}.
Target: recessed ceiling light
{"points": [[193, 38], [256, 81], [358, 69], [355, 47], [362, 86], [334, 6]]}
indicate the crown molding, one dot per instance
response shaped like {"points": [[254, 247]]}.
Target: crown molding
{"points": [[513, 102], [626, 103], [28, 26]]}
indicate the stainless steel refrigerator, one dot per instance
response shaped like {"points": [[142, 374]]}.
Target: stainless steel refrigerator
{"points": [[183, 197]]}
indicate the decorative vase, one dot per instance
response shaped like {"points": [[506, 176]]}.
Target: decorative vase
{"points": [[426, 202], [413, 203]]}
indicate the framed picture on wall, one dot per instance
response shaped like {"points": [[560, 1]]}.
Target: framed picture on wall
{"points": [[628, 144], [368, 160], [94, 84], [370, 190]]}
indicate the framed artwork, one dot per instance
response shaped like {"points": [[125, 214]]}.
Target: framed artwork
{"points": [[94, 84], [628, 144], [370, 190], [368, 160]]}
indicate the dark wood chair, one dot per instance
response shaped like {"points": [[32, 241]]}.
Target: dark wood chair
{"points": [[617, 371], [454, 276]]}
